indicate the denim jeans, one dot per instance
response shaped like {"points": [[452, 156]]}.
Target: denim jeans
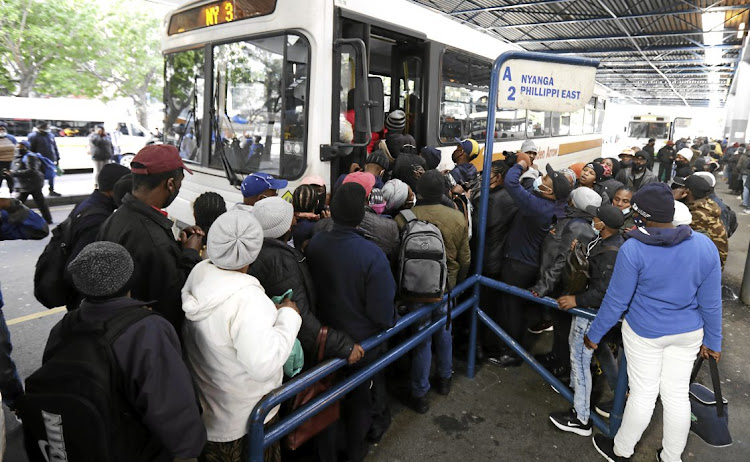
{"points": [[745, 192], [10, 382], [658, 367], [421, 357], [580, 367]]}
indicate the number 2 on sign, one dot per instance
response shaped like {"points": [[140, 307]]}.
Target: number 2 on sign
{"points": [[511, 93]]}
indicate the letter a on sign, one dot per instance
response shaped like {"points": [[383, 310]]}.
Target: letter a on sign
{"points": [[506, 74]]}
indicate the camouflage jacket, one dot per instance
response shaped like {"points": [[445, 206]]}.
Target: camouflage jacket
{"points": [[707, 220]]}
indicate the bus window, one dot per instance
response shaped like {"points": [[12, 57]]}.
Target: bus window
{"points": [[135, 131], [261, 86], [183, 102], [410, 89], [576, 122], [600, 106], [658, 130], [588, 116], [560, 123], [346, 96], [538, 125], [465, 85], [19, 128], [122, 128]]}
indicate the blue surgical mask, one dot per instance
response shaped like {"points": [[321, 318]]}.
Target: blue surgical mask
{"points": [[537, 183], [626, 211], [593, 226]]}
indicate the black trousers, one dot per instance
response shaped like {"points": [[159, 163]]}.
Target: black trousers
{"points": [[40, 203], [515, 311]]}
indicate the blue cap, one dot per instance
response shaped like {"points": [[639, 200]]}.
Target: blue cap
{"points": [[26, 144], [256, 183]]}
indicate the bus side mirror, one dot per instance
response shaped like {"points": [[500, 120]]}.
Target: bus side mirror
{"points": [[374, 105]]}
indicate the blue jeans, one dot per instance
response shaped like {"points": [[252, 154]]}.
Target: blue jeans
{"points": [[421, 359], [10, 382], [580, 368], [745, 192]]}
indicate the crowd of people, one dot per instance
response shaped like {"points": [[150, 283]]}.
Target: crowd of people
{"points": [[256, 293]]}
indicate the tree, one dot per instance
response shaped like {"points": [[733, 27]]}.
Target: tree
{"points": [[41, 44], [128, 59]]}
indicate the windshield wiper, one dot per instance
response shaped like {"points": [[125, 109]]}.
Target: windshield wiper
{"points": [[219, 144]]}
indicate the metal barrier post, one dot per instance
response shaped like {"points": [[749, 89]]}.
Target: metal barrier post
{"points": [[618, 406]]}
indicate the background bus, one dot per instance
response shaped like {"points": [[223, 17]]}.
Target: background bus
{"points": [[289, 72], [71, 121]]}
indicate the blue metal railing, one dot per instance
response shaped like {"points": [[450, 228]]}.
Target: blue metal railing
{"points": [[259, 438]]}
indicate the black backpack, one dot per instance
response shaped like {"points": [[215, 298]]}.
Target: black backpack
{"points": [[74, 408], [51, 287]]}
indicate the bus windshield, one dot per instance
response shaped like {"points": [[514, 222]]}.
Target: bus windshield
{"points": [[657, 130]]}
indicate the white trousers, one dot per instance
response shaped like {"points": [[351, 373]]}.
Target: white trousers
{"points": [[659, 366]]}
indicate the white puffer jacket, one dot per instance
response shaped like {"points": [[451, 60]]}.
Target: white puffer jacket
{"points": [[236, 343]]}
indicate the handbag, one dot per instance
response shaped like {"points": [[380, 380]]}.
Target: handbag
{"points": [[709, 418], [324, 418]]}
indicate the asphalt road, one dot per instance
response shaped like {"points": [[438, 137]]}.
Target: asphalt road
{"points": [[501, 415]]}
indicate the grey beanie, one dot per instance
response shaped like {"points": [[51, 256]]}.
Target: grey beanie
{"points": [[234, 240], [395, 193], [274, 215], [101, 269], [584, 197], [396, 120]]}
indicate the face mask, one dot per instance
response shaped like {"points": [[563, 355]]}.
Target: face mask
{"points": [[411, 203], [3, 133], [626, 211], [681, 163], [638, 167], [378, 208], [171, 198], [626, 163], [537, 184], [593, 226]]}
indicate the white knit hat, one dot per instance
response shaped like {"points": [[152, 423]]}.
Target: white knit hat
{"points": [[583, 197], [395, 193], [528, 146], [687, 153], [274, 215], [682, 215], [234, 240]]}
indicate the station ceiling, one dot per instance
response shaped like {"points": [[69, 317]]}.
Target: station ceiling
{"points": [[660, 52]]}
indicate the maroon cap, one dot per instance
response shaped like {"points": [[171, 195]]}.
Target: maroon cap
{"points": [[157, 158]]}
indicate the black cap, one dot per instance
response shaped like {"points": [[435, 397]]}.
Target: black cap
{"points": [[348, 204], [560, 183], [598, 169], [679, 182], [109, 175], [610, 215], [643, 154], [431, 186], [698, 187], [654, 202]]}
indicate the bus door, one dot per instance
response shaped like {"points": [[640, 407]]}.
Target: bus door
{"points": [[409, 66]]}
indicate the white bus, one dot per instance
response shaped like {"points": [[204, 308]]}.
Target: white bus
{"points": [[293, 74], [71, 120]]}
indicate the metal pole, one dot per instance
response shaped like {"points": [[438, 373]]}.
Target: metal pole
{"points": [[745, 292]]}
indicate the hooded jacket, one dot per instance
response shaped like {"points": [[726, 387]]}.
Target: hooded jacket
{"points": [[101, 147], [279, 268], [556, 247], [656, 300], [608, 186], [236, 343], [532, 222], [666, 155], [707, 220], [601, 259], [44, 143], [500, 213], [381, 230]]}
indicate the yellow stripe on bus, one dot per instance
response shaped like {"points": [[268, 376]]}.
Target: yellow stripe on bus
{"points": [[569, 148]]}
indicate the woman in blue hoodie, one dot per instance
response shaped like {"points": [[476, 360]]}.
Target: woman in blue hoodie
{"points": [[669, 319]]}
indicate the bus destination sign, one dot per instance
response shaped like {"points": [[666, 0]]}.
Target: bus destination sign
{"points": [[213, 14]]}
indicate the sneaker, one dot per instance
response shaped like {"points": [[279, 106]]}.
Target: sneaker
{"points": [[606, 447], [419, 404], [746, 211], [54, 194], [604, 408], [658, 454], [568, 422], [506, 360], [443, 386], [543, 326]]}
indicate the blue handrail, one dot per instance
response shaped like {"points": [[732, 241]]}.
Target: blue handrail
{"points": [[259, 439]]}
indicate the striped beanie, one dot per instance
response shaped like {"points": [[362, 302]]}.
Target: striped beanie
{"points": [[396, 120]]}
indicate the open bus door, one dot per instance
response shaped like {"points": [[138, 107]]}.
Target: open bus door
{"points": [[680, 128], [396, 70]]}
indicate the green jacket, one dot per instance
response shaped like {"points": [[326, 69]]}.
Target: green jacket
{"points": [[455, 231]]}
